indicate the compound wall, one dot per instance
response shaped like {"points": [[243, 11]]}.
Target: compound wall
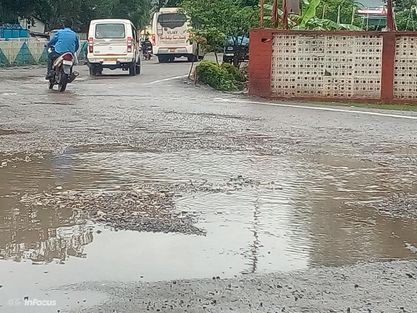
{"points": [[29, 52], [357, 66]]}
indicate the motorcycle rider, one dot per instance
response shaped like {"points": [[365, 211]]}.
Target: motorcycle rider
{"points": [[65, 40]]}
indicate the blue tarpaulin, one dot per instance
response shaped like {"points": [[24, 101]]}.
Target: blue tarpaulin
{"points": [[13, 32]]}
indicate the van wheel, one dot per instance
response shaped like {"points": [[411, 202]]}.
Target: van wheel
{"points": [[137, 69], [192, 58], [133, 69], [96, 70], [162, 59], [93, 71]]}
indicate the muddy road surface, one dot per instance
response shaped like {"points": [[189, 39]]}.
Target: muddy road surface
{"points": [[147, 193]]}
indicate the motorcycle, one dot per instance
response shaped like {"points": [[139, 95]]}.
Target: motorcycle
{"points": [[147, 51], [147, 54], [63, 71]]}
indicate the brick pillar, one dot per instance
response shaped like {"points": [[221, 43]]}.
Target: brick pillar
{"points": [[260, 59], [388, 67]]}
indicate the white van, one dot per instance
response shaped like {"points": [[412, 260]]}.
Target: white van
{"points": [[113, 44]]}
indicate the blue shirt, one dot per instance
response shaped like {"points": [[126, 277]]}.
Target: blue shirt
{"points": [[65, 40]]}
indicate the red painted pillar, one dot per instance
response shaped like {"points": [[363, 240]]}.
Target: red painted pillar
{"points": [[388, 67], [260, 60]]}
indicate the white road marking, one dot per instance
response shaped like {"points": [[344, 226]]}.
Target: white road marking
{"points": [[306, 107], [165, 79]]}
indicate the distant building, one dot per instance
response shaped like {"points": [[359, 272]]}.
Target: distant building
{"points": [[373, 14], [34, 25], [294, 6], [372, 3]]}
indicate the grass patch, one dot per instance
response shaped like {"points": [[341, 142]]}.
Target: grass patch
{"points": [[390, 106], [395, 107]]}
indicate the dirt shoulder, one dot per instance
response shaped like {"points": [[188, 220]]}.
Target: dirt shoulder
{"points": [[378, 287]]}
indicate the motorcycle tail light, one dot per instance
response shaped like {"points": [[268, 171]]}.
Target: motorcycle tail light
{"points": [[68, 57]]}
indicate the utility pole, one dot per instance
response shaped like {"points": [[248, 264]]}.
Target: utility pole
{"points": [[390, 17], [285, 14], [261, 12]]}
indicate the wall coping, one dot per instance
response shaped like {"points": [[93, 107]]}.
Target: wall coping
{"points": [[334, 32]]}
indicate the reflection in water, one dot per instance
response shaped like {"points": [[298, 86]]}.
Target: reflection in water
{"points": [[254, 250], [284, 214], [345, 234], [54, 244], [36, 232]]}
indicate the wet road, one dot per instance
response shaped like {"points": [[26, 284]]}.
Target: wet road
{"points": [[151, 178]]}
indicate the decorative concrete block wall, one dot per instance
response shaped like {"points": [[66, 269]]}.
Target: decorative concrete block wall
{"points": [[405, 68], [29, 52], [326, 66], [363, 66], [22, 52]]}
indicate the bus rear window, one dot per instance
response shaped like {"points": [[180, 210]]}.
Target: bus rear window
{"points": [[172, 20], [110, 31]]}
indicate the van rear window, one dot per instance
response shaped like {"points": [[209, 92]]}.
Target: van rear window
{"points": [[110, 31], [172, 20]]}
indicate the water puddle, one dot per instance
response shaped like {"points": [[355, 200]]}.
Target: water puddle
{"points": [[123, 215]]}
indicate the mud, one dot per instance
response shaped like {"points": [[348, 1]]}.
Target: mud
{"points": [[378, 287], [397, 205], [148, 179], [148, 210], [5, 132]]}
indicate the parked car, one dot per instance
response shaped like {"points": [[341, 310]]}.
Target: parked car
{"points": [[236, 46], [113, 44]]}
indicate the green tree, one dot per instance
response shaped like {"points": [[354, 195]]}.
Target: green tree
{"points": [[216, 20], [250, 3], [313, 16], [339, 11], [406, 14], [404, 4], [138, 11], [81, 12], [54, 12], [173, 3], [10, 10], [157, 4]]}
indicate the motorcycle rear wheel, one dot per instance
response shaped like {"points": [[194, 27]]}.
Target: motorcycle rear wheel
{"points": [[63, 83]]}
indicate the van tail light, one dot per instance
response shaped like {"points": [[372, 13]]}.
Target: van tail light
{"points": [[153, 38], [90, 45], [129, 44], [68, 57]]}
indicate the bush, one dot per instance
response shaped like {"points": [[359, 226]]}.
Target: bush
{"points": [[215, 76], [223, 77], [234, 71]]}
